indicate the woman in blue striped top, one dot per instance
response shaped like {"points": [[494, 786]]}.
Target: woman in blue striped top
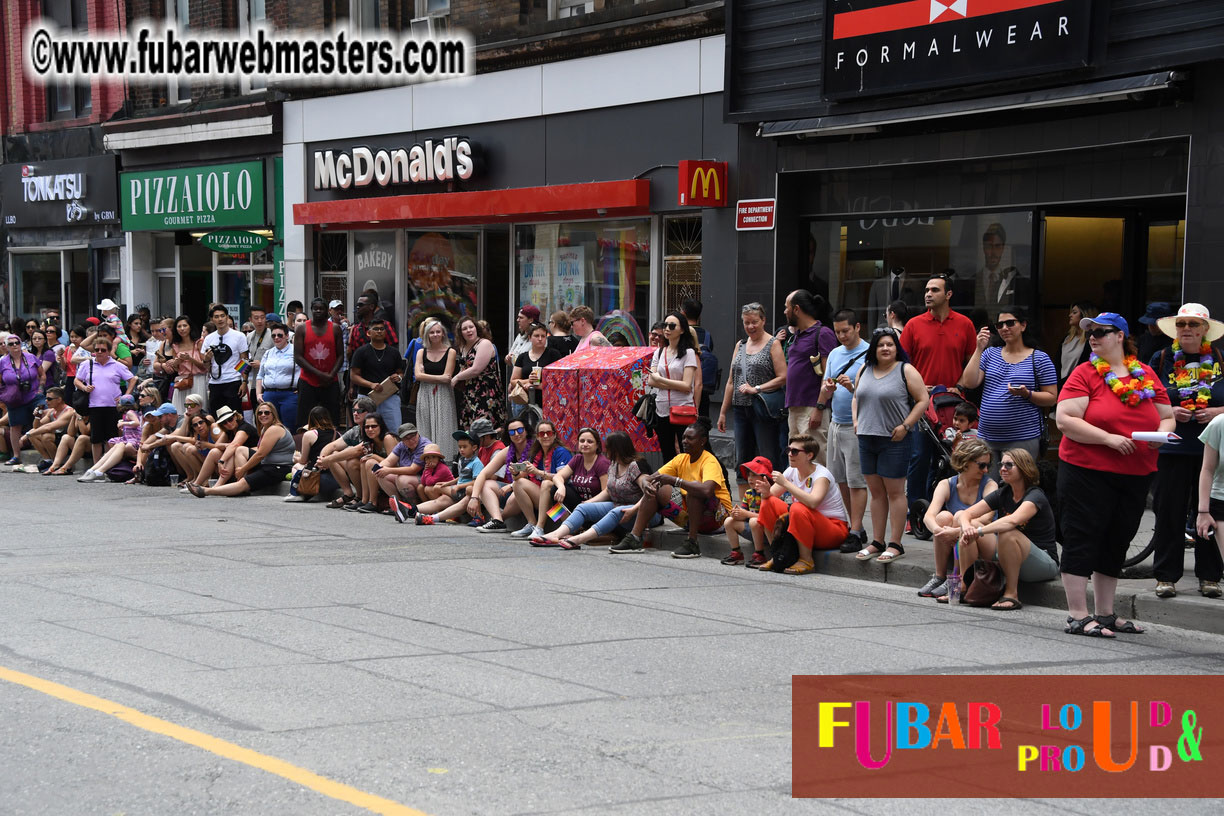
{"points": [[1017, 381]]}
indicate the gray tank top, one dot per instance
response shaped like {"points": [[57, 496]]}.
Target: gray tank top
{"points": [[883, 404], [282, 451]]}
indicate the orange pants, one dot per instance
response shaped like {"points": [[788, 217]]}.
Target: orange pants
{"points": [[810, 528]]}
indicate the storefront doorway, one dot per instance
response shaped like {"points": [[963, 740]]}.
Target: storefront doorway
{"points": [[43, 281]]}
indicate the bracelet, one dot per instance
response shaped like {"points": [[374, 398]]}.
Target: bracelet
{"points": [[1204, 512]]}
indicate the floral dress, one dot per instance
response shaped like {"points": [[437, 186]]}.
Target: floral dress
{"points": [[482, 395]]}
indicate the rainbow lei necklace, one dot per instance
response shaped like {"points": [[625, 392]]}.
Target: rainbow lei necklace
{"points": [[1193, 386], [1140, 388]]}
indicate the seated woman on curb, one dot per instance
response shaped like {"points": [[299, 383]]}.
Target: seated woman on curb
{"points": [[377, 442], [547, 457], [236, 434], [584, 478], [261, 468], [627, 473], [691, 490], [807, 496], [1022, 539], [494, 488], [193, 439], [320, 432], [971, 461]]}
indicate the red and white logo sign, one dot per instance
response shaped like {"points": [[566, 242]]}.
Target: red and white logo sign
{"points": [[915, 13], [755, 214]]}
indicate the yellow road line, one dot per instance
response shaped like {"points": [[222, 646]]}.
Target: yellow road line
{"points": [[228, 750]]}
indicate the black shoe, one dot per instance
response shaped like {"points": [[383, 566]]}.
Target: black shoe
{"points": [[629, 544], [44, 465], [689, 549], [367, 507], [853, 543], [492, 526]]}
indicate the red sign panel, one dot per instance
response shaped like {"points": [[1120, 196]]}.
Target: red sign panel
{"points": [[703, 183], [755, 214]]}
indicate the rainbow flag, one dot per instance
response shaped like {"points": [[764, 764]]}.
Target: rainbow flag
{"points": [[242, 366], [557, 512]]}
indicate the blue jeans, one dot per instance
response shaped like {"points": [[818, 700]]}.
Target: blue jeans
{"points": [[754, 437], [286, 403], [389, 410], [586, 514]]}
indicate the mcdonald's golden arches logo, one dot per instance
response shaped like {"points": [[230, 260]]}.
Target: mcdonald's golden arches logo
{"points": [[702, 183]]}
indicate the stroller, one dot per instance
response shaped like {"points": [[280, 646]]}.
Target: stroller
{"points": [[936, 423]]}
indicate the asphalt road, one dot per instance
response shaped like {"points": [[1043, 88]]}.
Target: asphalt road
{"points": [[247, 656]]}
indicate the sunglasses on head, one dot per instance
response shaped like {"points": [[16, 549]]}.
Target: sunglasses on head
{"points": [[1098, 333]]}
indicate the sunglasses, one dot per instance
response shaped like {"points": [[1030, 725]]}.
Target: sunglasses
{"points": [[671, 326], [278, 335], [13, 343], [546, 433], [794, 451], [517, 431], [983, 465], [31, 325], [263, 413], [1187, 324], [1006, 324], [371, 427], [1006, 465], [1097, 334]]}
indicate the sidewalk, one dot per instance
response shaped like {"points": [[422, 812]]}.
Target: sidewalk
{"points": [[1136, 597]]}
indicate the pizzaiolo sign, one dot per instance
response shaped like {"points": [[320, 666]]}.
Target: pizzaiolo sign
{"points": [[877, 47], [432, 161], [219, 195]]}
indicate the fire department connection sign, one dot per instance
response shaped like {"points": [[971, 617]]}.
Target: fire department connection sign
{"points": [[877, 47], [755, 214]]}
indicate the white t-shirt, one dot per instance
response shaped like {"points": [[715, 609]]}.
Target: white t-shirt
{"points": [[228, 350], [831, 507], [672, 367]]}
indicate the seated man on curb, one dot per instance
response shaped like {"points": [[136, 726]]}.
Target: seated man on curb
{"points": [[399, 473], [691, 490], [451, 503], [158, 433], [72, 447], [236, 433], [50, 427], [334, 452]]}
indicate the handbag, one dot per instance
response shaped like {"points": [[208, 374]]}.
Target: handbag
{"points": [[683, 414], [784, 548], [644, 409], [80, 399], [184, 382], [770, 406], [309, 481], [518, 394], [987, 586]]}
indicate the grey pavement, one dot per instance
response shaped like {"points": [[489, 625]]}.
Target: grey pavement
{"points": [[449, 671]]}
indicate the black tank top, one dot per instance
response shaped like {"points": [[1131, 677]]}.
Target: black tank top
{"points": [[434, 368], [325, 438]]}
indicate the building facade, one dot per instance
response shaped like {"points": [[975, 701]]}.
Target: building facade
{"points": [[1043, 153]]}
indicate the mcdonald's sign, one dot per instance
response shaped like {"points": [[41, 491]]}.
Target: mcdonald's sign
{"points": [[703, 183]]}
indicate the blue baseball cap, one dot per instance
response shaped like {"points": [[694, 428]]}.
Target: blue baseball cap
{"points": [[164, 409], [1156, 310], [1106, 319]]}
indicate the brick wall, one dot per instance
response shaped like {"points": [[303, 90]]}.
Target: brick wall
{"points": [[23, 103]]}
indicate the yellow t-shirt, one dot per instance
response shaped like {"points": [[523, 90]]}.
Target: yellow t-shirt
{"points": [[705, 469]]}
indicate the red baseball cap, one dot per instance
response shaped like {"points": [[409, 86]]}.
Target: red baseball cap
{"points": [[93, 321], [760, 466]]}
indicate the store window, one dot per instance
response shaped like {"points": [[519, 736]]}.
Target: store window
{"points": [[333, 268], [373, 269], [865, 264], [443, 278], [66, 100], [244, 280], [36, 283], [602, 264]]}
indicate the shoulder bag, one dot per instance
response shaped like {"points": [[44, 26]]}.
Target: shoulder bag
{"points": [[988, 584], [679, 414], [768, 406], [80, 399], [309, 481], [1043, 444]]}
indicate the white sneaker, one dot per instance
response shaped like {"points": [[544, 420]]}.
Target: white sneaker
{"points": [[294, 497], [527, 532], [92, 476]]}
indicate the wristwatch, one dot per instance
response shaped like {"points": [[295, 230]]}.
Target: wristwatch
{"points": [[820, 406]]}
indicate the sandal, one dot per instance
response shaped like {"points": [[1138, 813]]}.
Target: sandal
{"points": [[568, 543], [870, 551], [886, 557], [801, 568], [1007, 604], [196, 490], [338, 502], [1125, 628], [1078, 626], [541, 541]]}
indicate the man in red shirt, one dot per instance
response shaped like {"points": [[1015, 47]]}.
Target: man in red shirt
{"points": [[318, 350], [938, 343]]}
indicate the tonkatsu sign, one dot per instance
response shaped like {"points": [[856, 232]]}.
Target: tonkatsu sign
{"points": [[875, 47]]}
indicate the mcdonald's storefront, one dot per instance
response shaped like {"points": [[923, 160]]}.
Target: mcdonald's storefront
{"points": [[627, 210]]}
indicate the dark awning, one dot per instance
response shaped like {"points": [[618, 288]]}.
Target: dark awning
{"points": [[1101, 91]]}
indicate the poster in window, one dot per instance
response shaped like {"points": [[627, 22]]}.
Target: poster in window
{"points": [[570, 284], [997, 247], [535, 278]]}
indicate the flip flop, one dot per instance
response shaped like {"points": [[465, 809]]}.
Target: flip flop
{"points": [[541, 541], [568, 543], [801, 568], [1009, 604], [195, 490]]}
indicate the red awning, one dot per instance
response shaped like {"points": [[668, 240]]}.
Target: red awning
{"points": [[559, 202]]}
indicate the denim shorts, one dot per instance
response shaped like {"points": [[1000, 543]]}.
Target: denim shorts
{"points": [[880, 456]]}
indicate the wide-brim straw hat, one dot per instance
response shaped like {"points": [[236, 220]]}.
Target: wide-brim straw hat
{"points": [[1215, 328]]}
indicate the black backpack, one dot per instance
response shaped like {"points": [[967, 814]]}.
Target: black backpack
{"points": [[158, 468], [710, 372], [784, 550]]}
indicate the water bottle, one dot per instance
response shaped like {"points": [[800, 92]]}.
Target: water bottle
{"points": [[954, 577]]}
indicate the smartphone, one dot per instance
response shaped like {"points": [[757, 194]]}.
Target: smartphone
{"points": [[518, 467]]}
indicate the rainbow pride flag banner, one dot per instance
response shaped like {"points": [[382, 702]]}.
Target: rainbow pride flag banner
{"points": [[242, 366], [557, 512]]}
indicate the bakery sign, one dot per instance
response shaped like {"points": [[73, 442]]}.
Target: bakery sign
{"points": [[363, 167], [875, 47]]}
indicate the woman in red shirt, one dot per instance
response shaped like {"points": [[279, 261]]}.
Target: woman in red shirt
{"points": [[1104, 475]]}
